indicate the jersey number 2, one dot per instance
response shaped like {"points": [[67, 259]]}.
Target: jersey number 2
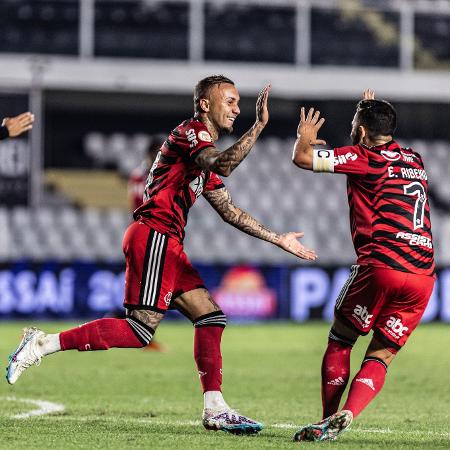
{"points": [[415, 189]]}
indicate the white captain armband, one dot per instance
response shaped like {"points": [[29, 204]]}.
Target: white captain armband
{"points": [[323, 160]]}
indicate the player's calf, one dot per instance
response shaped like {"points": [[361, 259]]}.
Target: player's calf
{"points": [[104, 334], [99, 334], [335, 370]]}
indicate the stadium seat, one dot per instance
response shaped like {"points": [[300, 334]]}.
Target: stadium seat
{"points": [[268, 187]]}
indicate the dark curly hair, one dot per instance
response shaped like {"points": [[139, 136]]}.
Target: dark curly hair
{"points": [[378, 116]]}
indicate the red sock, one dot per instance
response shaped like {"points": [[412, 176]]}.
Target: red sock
{"points": [[335, 375], [106, 333], [366, 385], [208, 334]]}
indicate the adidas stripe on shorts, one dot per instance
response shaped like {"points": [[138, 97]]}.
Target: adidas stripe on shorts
{"points": [[157, 269]]}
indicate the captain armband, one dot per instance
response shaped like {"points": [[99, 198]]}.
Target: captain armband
{"points": [[323, 160]]}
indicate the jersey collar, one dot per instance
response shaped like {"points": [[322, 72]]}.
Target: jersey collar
{"points": [[391, 145]]}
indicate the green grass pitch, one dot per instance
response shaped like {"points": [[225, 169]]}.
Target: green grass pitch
{"points": [[138, 399]]}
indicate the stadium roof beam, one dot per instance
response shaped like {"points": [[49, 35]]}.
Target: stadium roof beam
{"points": [[111, 75]]}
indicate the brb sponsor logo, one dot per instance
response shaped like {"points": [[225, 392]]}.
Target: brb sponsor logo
{"points": [[191, 137], [243, 293], [395, 327], [361, 314]]}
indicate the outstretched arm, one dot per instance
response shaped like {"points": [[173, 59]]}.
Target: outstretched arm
{"points": [[221, 201], [223, 163], [308, 127], [15, 126]]}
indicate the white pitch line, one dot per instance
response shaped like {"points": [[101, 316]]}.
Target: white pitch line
{"points": [[196, 423], [44, 407]]}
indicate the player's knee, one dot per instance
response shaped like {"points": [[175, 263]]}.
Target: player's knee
{"points": [[382, 362], [340, 338], [212, 319], [143, 332], [149, 318], [382, 349]]}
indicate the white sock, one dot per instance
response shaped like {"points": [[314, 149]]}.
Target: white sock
{"points": [[214, 400], [49, 344]]}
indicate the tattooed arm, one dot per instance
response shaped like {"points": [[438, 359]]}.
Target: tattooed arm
{"points": [[221, 201], [224, 162]]}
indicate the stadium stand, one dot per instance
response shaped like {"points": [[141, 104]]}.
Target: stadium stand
{"points": [[267, 185], [138, 29], [46, 26], [342, 33], [228, 40], [348, 35]]}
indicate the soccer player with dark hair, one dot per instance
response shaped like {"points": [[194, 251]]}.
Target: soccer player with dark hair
{"points": [[159, 274], [390, 286], [14, 126]]}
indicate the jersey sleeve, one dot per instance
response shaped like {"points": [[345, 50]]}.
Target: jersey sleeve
{"points": [[214, 182], [198, 138], [351, 160]]}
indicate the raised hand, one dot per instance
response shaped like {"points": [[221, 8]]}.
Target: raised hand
{"points": [[309, 126], [19, 124], [291, 244], [369, 94], [262, 111]]}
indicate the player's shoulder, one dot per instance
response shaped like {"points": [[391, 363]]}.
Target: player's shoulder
{"points": [[352, 152], [390, 151], [191, 123], [409, 152], [197, 127], [393, 151], [192, 129]]}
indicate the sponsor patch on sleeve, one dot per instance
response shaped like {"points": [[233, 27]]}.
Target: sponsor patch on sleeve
{"points": [[204, 136], [323, 160]]}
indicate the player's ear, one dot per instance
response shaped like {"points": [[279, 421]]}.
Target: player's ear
{"points": [[362, 132], [204, 104]]}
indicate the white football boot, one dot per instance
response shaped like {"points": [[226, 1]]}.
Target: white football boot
{"points": [[230, 421], [26, 354]]}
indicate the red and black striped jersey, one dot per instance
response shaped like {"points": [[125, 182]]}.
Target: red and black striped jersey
{"points": [[175, 180], [389, 210]]}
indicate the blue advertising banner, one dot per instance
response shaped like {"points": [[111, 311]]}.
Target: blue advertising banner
{"points": [[313, 292], [85, 290], [55, 290]]}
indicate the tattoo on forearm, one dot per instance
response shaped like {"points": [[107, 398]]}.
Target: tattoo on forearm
{"points": [[251, 226], [221, 201], [225, 162]]}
